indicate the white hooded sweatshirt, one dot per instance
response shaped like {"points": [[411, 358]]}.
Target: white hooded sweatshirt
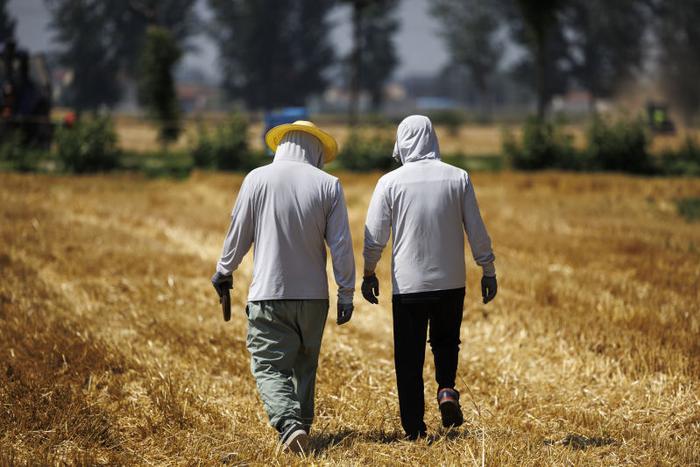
{"points": [[429, 205], [287, 209]]}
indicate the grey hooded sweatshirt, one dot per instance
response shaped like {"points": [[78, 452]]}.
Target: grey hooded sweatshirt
{"points": [[287, 209], [429, 205]]}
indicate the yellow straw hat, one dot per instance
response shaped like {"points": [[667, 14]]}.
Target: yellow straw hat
{"points": [[275, 135]]}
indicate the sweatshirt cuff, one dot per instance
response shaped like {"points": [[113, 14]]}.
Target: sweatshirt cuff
{"points": [[222, 270], [345, 296], [370, 265], [489, 269]]}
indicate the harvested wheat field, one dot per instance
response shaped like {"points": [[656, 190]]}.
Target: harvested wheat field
{"points": [[114, 349]]}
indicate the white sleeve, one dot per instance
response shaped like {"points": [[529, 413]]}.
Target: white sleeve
{"points": [[377, 227], [340, 243], [239, 237], [479, 240]]}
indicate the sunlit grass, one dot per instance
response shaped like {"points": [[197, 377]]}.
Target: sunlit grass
{"points": [[114, 350]]}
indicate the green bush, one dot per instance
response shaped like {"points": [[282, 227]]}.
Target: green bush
{"points": [[689, 208], [683, 161], [89, 146], [367, 151], [225, 148], [17, 155], [160, 53], [620, 145], [451, 119], [544, 145]]}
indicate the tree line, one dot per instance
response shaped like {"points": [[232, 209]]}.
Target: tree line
{"points": [[276, 53], [596, 45], [271, 52]]}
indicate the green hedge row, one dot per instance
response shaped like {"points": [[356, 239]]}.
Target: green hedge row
{"points": [[365, 151], [611, 145], [89, 146], [225, 147]]}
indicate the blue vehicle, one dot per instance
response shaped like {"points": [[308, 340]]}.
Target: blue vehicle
{"points": [[282, 116]]}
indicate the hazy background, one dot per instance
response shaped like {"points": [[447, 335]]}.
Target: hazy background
{"points": [[500, 60], [419, 48], [564, 84]]}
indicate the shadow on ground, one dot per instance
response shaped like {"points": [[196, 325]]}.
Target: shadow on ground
{"points": [[580, 442], [325, 441]]}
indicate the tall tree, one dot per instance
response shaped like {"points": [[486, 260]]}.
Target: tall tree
{"points": [[378, 59], [372, 25], [7, 23], [540, 19], [132, 18], [606, 45], [269, 58], [355, 58], [101, 40], [87, 51], [470, 30], [678, 35], [156, 81]]}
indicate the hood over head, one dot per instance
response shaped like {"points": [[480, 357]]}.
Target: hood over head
{"points": [[300, 146], [416, 140]]}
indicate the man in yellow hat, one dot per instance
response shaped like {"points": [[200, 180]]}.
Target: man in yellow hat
{"points": [[289, 209]]}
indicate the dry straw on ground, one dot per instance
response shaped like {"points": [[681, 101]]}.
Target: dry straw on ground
{"points": [[114, 350]]}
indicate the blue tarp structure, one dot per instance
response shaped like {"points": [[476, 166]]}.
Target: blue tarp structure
{"points": [[282, 116]]}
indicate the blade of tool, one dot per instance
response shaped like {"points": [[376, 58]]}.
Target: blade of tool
{"points": [[225, 301]]}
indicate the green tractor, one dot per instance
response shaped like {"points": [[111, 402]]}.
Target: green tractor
{"points": [[658, 118], [25, 97]]}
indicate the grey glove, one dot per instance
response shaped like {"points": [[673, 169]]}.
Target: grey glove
{"points": [[221, 283], [344, 313], [370, 288], [489, 287]]}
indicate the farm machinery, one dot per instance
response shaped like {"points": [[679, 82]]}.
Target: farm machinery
{"points": [[25, 97], [658, 118]]}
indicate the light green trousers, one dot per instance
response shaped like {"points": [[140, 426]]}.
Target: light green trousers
{"points": [[284, 340]]}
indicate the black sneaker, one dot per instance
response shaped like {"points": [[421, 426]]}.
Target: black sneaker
{"points": [[451, 412], [416, 435], [295, 439]]}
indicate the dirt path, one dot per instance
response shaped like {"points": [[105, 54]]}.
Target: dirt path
{"points": [[115, 350]]}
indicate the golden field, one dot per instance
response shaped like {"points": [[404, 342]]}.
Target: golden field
{"points": [[134, 135], [114, 349]]}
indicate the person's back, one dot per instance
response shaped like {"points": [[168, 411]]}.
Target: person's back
{"points": [[287, 209], [292, 202], [427, 208], [431, 204], [428, 205]]}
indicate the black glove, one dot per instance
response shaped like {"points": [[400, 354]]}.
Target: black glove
{"points": [[370, 288], [344, 312], [489, 287], [221, 283]]}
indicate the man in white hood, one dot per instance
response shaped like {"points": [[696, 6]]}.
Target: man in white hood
{"points": [[428, 205], [288, 209]]}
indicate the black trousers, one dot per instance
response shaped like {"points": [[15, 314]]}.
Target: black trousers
{"points": [[412, 313]]}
